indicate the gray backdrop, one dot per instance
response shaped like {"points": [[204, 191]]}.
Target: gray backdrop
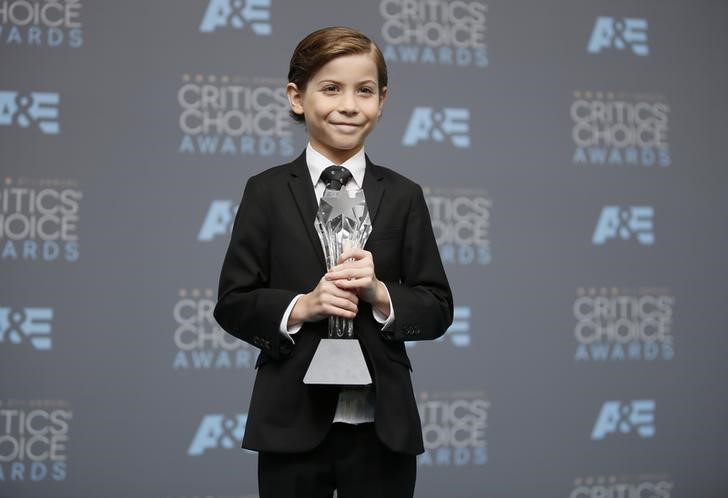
{"points": [[572, 156]]}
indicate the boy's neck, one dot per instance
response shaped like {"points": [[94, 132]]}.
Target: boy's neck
{"points": [[340, 158]]}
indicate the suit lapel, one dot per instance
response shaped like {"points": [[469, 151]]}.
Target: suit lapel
{"points": [[373, 189], [300, 184]]}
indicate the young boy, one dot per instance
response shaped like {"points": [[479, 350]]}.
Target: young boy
{"points": [[276, 294]]}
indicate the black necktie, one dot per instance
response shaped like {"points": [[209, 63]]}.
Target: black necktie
{"points": [[334, 177]]}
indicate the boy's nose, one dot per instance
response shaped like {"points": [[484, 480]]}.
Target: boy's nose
{"points": [[347, 103]]}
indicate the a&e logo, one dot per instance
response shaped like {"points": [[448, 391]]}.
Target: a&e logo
{"points": [[617, 416], [428, 124], [25, 109], [236, 13], [620, 34], [625, 222], [218, 431], [20, 324], [218, 221]]}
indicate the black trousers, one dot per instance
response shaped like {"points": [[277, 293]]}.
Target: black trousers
{"points": [[350, 460]]}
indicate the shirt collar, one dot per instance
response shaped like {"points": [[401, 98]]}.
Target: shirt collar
{"points": [[317, 163]]}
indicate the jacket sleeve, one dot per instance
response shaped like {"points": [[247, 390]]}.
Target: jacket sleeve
{"points": [[422, 299], [247, 307]]}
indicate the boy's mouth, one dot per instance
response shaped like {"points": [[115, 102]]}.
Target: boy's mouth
{"points": [[348, 125]]}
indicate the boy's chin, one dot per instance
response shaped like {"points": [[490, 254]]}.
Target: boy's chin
{"points": [[346, 145]]}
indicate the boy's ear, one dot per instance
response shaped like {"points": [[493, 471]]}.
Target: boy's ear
{"points": [[295, 98], [382, 98]]}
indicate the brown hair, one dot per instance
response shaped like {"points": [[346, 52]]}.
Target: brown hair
{"points": [[324, 45]]}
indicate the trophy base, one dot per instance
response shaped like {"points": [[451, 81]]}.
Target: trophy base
{"points": [[338, 362]]}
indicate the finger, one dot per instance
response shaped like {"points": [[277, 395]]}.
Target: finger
{"points": [[353, 284], [361, 265], [346, 294], [333, 311], [335, 291], [354, 263], [356, 254], [350, 273], [346, 271], [340, 304]]}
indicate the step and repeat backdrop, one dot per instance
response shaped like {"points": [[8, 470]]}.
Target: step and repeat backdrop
{"points": [[573, 158]]}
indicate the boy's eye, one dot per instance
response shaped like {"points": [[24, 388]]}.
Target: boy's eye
{"points": [[330, 88], [366, 89]]}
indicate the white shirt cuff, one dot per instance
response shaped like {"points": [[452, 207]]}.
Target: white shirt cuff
{"points": [[284, 329], [386, 321]]}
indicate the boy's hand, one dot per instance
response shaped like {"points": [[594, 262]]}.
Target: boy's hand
{"points": [[325, 300], [355, 272]]}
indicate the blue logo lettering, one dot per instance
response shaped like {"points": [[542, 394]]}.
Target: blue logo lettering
{"points": [[218, 431], [624, 417], [23, 110], [33, 324], [624, 222], [428, 124], [615, 33], [219, 220], [235, 13]]}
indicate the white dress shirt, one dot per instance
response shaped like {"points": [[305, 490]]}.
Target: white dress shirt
{"points": [[355, 406]]}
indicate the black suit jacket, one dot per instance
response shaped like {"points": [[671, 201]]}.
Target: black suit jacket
{"points": [[275, 254]]}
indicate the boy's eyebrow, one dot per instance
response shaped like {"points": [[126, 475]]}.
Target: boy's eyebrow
{"points": [[328, 80]]}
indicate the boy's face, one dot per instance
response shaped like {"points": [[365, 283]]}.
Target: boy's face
{"points": [[342, 103]]}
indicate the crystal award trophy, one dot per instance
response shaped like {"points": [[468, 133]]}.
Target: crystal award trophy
{"points": [[342, 222]]}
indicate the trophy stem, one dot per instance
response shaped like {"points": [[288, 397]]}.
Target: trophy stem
{"points": [[341, 328]]}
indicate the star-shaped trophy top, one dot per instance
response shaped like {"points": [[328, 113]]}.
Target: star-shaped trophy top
{"points": [[349, 204], [342, 218]]}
